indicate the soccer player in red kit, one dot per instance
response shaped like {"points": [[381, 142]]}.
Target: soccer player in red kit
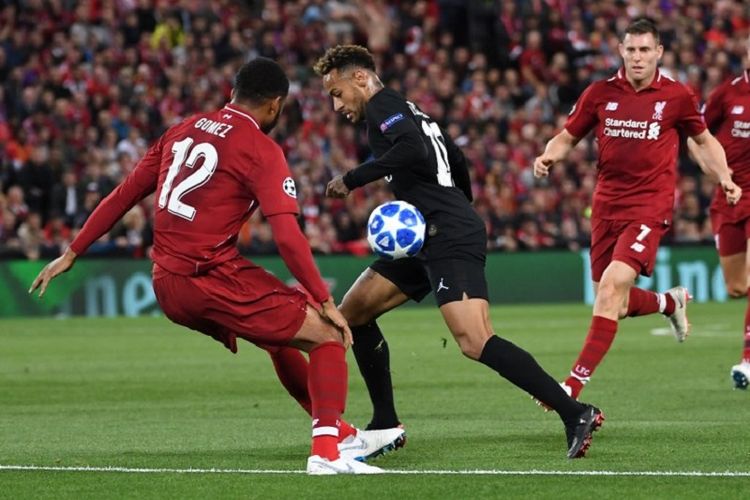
{"points": [[727, 115], [638, 115], [209, 173]]}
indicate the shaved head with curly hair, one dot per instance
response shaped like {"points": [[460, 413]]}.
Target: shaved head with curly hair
{"points": [[349, 77], [343, 57]]}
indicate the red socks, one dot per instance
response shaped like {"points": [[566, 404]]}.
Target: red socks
{"points": [[327, 383], [601, 335], [642, 302], [291, 368]]}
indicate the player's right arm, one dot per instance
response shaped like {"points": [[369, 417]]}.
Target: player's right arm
{"points": [[556, 150], [137, 185], [704, 148], [582, 119]]}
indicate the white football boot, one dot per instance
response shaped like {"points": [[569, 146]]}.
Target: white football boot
{"points": [[741, 375], [370, 444], [678, 319], [319, 466]]}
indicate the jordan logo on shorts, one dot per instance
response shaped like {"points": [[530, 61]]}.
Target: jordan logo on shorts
{"points": [[441, 286]]}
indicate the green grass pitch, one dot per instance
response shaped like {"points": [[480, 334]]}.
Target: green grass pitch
{"points": [[146, 394]]}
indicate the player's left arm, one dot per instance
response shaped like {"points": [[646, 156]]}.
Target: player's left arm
{"points": [[711, 158], [704, 148], [137, 185], [408, 148]]}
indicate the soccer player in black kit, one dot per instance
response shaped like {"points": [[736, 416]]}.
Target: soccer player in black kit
{"points": [[425, 168]]}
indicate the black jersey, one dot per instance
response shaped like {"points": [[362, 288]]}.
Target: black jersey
{"points": [[421, 164]]}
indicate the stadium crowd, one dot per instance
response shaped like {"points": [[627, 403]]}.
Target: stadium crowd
{"points": [[87, 85]]}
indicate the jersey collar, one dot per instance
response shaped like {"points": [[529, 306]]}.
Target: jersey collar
{"points": [[234, 109], [621, 81]]}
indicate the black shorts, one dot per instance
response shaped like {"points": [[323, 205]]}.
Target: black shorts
{"points": [[448, 279]]}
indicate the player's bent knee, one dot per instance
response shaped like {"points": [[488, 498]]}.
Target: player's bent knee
{"points": [[736, 292], [471, 345]]}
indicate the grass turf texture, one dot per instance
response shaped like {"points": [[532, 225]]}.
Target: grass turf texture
{"points": [[144, 393]]}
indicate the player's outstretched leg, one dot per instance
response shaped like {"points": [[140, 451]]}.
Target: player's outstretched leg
{"points": [[468, 320]]}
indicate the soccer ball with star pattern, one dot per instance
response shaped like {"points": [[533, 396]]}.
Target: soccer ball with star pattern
{"points": [[395, 230]]}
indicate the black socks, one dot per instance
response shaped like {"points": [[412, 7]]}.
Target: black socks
{"points": [[374, 360], [522, 370]]}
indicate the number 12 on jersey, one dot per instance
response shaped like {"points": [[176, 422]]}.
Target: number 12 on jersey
{"points": [[169, 197]]}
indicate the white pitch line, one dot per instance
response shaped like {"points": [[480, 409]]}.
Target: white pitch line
{"points": [[479, 472]]}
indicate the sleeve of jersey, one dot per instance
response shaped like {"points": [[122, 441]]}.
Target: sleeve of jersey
{"points": [[407, 146], [691, 121], [295, 250], [582, 117], [713, 109], [137, 185], [272, 183], [459, 167]]}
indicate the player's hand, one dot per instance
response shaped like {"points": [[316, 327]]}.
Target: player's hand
{"points": [[542, 165], [332, 314], [732, 191], [336, 188], [55, 268]]}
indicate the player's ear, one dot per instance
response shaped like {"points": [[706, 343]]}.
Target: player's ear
{"points": [[360, 77], [275, 104]]}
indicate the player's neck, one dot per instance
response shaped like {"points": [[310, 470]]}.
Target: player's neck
{"points": [[374, 85], [245, 108], [639, 85]]}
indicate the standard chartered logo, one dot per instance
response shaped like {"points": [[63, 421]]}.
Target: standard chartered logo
{"points": [[631, 129], [741, 129]]}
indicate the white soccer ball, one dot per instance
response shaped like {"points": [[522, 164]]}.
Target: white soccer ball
{"points": [[396, 230]]}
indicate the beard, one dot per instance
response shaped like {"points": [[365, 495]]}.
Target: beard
{"points": [[266, 128]]}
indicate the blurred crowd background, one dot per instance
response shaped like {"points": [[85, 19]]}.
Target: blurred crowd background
{"points": [[88, 85]]}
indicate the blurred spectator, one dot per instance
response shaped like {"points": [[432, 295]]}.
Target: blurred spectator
{"points": [[65, 198]]}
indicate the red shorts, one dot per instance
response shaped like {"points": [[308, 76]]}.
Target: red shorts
{"points": [[731, 237], [633, 242], [234, 299]]}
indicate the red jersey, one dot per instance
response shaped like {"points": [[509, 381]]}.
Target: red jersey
{"points": [[727, 115], [638, 135], [209, 173]]}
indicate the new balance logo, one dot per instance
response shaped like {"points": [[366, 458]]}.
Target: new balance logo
{"points": [[441, 286], [738, 110], [611, 106], [226, 116]]}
